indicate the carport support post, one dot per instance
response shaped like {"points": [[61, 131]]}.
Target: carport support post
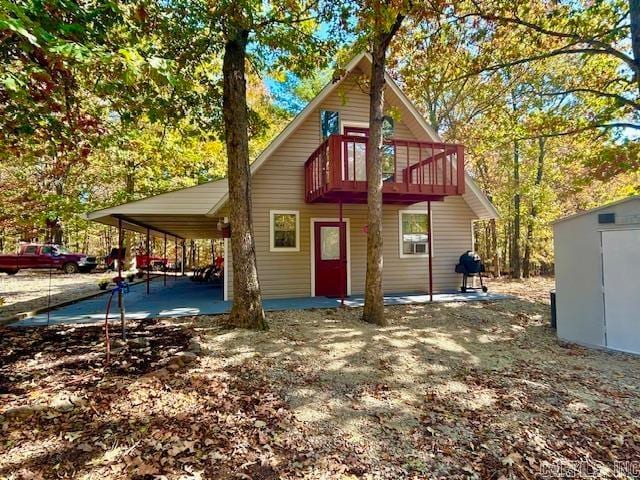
{"points": [[120, 302], [175, 259], [342, 259], [164, 257], [184, 257], [120, 247], [148, 261], [429, 223]]}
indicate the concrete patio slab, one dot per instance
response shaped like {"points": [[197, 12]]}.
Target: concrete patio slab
{"points": [[182, 297]]}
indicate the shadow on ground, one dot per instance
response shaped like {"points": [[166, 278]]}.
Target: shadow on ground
{"points": [[457, 390]]}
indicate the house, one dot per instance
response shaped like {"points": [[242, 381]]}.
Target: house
{"points": [[311, 175], [597, 260]]}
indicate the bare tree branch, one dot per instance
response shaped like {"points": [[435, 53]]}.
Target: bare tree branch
{"points": [[581, 129], [615, 96], [554, 53]]}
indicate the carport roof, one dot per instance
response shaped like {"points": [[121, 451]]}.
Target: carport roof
{"points": [[185, 213]]}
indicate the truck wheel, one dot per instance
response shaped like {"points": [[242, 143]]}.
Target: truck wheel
{"points": [[11, 272], [70, 268]]}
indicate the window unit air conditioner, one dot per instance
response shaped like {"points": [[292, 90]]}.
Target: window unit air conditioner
{"points": [[419, 247]]}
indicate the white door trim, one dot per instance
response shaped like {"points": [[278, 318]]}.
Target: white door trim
{"points": [[350, 123], [313, 251]]}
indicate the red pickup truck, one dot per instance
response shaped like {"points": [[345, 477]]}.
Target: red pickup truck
{"points": [[37, 256]]}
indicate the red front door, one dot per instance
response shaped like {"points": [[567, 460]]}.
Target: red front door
{"points": [[330, 259]]}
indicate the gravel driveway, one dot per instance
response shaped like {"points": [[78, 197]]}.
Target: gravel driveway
{"points": [[29, 290]]}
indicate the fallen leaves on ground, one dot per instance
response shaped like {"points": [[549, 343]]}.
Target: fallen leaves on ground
{"points": [[476, 390]]}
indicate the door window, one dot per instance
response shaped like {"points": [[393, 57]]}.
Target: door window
{"points": [[329, 243], [31, 250]]}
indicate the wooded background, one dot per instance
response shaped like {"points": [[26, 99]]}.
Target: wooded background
{"points": [[109, 102]]}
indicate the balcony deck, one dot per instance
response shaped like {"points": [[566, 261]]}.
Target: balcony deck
{"points": [[412, 171]]}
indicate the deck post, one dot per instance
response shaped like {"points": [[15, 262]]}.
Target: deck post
{"points": [[460, 171], [429, 223], [342, 259], [148, 261]]}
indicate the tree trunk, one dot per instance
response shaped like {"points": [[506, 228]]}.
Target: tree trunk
{"points": [[516, 263], [374, 297], [247, 308], [534, 209], [373, 311], [634, 17], [57, 232], [494, 244]]}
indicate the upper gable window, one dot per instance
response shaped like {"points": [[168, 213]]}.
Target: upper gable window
{"points": [[329, 123]]}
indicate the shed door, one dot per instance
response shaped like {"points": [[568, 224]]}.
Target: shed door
{"points": [[621, 270]]}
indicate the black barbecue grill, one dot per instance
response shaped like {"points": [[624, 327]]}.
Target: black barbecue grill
{"points": [[470, 265]]}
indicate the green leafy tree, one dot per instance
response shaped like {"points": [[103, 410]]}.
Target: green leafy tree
{"points": [[288, 29]]}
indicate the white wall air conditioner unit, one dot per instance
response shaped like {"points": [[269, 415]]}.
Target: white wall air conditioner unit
{"points": [[419, 247]]}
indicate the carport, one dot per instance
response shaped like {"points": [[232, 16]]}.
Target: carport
{"points": [[193, 213]]}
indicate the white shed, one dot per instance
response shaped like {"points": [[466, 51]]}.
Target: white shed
{"points": [[597, 265]]}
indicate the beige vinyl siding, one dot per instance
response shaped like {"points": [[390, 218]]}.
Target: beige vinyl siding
{"points": [[279, 185]]}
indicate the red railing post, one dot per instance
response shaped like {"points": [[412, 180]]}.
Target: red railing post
{"points": [[440, 172], [306, 183], [432, 169], [460, 172], [444, 167], [354, 162], [336, 159], [407, 170]]}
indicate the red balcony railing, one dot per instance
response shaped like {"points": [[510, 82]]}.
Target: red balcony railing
{"points": [[412, 171]]}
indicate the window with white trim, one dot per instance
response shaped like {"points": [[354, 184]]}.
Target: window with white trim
{"points": [[414, 234], [285, 230]]}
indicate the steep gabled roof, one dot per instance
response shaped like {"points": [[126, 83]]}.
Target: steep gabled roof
{"points": [[474, 196], [204, 201]]}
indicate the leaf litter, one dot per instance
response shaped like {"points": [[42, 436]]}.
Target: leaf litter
{"points": [[460, 390]]}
